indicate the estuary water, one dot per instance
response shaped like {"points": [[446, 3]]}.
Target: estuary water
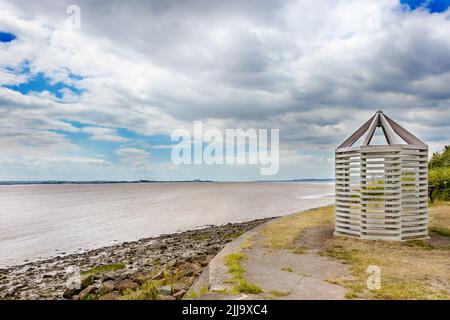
{"points": [[42, 221]]}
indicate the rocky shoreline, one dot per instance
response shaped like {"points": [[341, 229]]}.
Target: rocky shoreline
{"points": [[163, 267]]}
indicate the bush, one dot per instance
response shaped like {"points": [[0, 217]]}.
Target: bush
{"points": [[440, 159], [439, 177], [439, 174]]}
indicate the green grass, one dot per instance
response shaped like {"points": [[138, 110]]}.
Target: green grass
{"points": [[90, 297], [277, 293], [246, 287], [104, 268], [194, 294], [237, 271], [406, 268], [149, 289], [440, 231], [409, 269]]}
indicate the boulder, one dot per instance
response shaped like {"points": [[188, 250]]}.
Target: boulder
{"points": [[70, 292], [178, 295], [86, 282], [180, 286], [165, 290], [166, 298], [107, 286], [87, 291], [188, 271], [125, 284], [172, 263]]}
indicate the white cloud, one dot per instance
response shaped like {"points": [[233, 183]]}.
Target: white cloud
{"points": [[104, 134], [314, 69], [136, 158]]}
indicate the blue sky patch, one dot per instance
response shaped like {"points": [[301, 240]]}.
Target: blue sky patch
{"points": [[432, 6], [107, 149], [6, 36], [40, 83]]}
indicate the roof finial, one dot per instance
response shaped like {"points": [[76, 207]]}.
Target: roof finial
{"points": [[379, 111]]}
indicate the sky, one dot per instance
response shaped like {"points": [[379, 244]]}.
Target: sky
{"points": [[101, 101]]}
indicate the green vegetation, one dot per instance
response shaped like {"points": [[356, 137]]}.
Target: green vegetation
{"points": [[247, 243], [415, 269], [441, 231], [288, 269], [235, 268], [104, 268], [277, 293], [439, 174], [194, 294], [149, 289], [440, 159], [409, 268]]}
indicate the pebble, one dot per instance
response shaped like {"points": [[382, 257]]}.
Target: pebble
{"points": [[144, 257]]}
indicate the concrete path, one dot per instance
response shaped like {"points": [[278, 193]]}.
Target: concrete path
{"points": [[281, 274]]}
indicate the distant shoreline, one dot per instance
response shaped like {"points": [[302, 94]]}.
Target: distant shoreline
{"points": [[54, 182]]}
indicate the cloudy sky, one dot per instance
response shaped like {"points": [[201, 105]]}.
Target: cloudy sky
{"points": [[101, 101]]}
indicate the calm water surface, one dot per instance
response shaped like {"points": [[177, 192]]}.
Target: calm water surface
{"points": [[41, 221]]}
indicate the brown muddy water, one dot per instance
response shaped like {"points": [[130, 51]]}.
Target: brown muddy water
{"points": [[42, 221]]}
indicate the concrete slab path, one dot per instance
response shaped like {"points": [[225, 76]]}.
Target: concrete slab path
{"points": [[280, 273]]}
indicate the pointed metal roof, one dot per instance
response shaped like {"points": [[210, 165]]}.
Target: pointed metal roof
{"points": [[391, 129]]}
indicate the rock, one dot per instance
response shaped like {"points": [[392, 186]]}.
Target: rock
{"points": [[191, 270], [86, 282], [180, 287], [172, 263], [70, 292], [105, 278], [87, 291], [192, 280], [46, 279], [111, 296], [188, 271], [76, 297], [165, 290], [205, 261], [125, 284], [166, 298], [178, 295], [107, 286], [213, 249]]}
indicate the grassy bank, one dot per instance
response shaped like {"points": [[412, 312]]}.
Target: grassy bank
{"points": [[409, 270]]}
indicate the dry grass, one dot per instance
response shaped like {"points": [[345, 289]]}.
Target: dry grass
{"points": [[408, 271], [282, 233], [440, 218], [417, 269]]}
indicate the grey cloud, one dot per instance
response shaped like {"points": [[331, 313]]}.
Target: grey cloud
{"points": [[314, 69]]}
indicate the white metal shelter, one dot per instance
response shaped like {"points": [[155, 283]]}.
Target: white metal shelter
{"points": [[382, 190]]}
